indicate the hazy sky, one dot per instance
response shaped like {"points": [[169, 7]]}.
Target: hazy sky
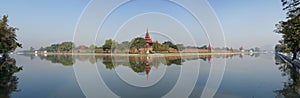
{"points": [[246, 23]]}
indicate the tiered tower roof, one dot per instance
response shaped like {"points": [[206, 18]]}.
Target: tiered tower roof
{"points": [[147, 38]]}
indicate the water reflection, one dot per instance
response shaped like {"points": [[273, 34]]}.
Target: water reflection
{"points": [[65, 60], [112, 67], [291, 87], [8, 82], [136, 63]]}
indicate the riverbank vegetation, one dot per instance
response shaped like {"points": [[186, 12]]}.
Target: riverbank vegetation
{"points": [[8, 40], [135, 46], [290, 28]]}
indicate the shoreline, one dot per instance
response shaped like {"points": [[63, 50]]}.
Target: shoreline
{"points": [[165, 54]]}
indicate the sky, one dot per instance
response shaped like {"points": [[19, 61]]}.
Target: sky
{"points": [[247, 23]]}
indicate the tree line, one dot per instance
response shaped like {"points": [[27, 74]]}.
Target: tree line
{"points": [[139, 43], [110, 45], [64, 46], [136, 43]]}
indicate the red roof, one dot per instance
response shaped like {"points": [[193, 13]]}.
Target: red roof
{"points": [[147, 37], [209, 47]]}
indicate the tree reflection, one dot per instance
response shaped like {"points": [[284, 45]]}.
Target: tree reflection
{"points": [[107, 61], [138, 63], [66, 60], [291, 88], [174, 60], [135, 62], [8, 82]]}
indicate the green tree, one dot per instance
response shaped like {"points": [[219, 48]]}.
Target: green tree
{"points": [[160, 47], [279, 48], [8, 40], [52, 48], [170, 44], [138, 43], [66, 46], [42, 49], [292, 7], [180, 47], [290, 29], [164, 48], [156, 45], [109, 44], [31, 49], [92, 47], [203, 47], [124, 45]]}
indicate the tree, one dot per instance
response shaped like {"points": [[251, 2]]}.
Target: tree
{"points": [[109, 44], [279, 48], [160, 47], [124, 45], [8, 43], [42, 49], [290, 29], [292, 7], [203, 47], [92, 47], [138, 43], [83, 47], [31, 49], [156, 45], [164, 48], [52, 48], [66, 46], [8, 40], [180, 47], [170, 44]]}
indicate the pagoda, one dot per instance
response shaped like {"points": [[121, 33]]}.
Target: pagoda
{"points": [[148, 39], [209, 48]]}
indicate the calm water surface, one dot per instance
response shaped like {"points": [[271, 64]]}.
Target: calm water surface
{"points": [[246, 76]]}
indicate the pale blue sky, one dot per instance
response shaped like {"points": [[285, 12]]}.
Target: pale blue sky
{"points": [[246, 23]]}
